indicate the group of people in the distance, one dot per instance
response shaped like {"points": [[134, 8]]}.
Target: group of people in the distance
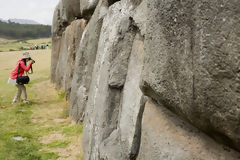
{"points": [[42, 46]]}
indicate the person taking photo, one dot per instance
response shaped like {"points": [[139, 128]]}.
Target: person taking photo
{"points": [[17, 78]]}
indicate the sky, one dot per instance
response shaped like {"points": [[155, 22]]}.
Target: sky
{"points": [[40, 11]]}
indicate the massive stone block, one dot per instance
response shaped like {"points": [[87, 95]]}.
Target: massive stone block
{"points": [[133, 102], [185, 57], [75, 32], [87, 7], [61, 62], [72, 9], [124, 141], [192, 63], [114, 108], [216, 62], [60, 21], [56, 21], [85, 59], [65, 12], [165, 136], [67, 53], [56, 41]]}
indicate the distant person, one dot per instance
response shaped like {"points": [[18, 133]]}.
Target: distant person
{"points": [[36, 47], [18, 71]]}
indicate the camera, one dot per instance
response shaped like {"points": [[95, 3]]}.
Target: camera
{"points": [[32, 60]]}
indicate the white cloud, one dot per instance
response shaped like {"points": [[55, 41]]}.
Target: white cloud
{"points": [[38, 10]]}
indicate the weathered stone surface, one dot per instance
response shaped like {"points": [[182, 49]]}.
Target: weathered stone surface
{"points": [[67, 52], [87, 7], [62, 62], [74, 36], [56, 21], [85, 59], [183, 54], [56, 41], [60, 21], [65, 12], [108, 106], [133, 102], [192, 63], [71, 9], [124, 142], [165, 136], [56, 30], [120, 55], [216, 70], [111, 2]]}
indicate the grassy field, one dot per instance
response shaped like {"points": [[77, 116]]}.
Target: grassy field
{"points": [[17, 45], [47, 132]]}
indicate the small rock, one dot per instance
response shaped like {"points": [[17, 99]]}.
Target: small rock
{"points": [[3, 107], [22, 110], [18, 138]]}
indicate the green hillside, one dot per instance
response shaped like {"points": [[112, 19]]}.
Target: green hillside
{"points": [[21, 31]]}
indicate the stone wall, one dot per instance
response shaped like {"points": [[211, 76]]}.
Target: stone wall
{"points": [[151, 79]]}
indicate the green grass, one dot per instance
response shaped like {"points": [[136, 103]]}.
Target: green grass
{"points": [[40, 41], [48, 155], [61, 94], [72, 130], [58, 144], [47, 104], [15, 122]]}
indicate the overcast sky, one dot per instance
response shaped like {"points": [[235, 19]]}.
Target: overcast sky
{"points": [[38, 10]]}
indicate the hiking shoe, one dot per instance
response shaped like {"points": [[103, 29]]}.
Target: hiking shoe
{"points": [[14, 101], [26, 102]]}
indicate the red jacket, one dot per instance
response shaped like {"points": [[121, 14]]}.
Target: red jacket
{"points": [[22, 68]]}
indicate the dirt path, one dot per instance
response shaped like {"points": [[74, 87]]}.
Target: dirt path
{"points": [[51, 113]]}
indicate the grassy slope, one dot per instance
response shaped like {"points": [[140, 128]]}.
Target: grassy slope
{"points": [[39, 41], [15, 45], [47, 132]]}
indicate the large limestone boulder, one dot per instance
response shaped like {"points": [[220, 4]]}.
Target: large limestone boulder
{"points": [[165, 136], [85, 59], [184, 55], [192, 63], [56, 43], [75, 32], [62, 62], [60, 21], [114, 108], [55, 22], [57, 29], [133, 102], [87, 7], [65, 12], [67, 53], [71, 9]]}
